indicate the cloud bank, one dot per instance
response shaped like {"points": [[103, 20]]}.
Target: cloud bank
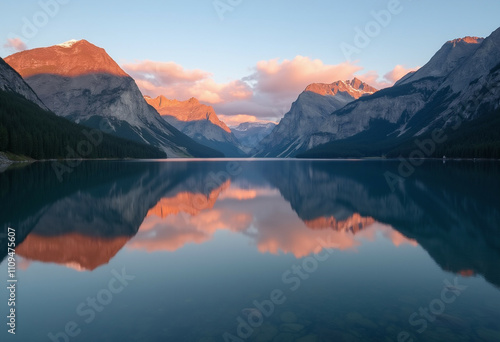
{"points": [[266, 94]]}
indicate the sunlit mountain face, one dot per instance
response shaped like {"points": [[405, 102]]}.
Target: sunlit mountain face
{"points": [[208, 238]]}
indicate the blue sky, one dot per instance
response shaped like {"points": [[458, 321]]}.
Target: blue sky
{"points": [[191, 33]]}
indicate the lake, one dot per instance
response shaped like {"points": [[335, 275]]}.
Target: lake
{"points": [[252, 250]]}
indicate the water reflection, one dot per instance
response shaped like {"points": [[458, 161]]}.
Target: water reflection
{"points": [[290, 207]]}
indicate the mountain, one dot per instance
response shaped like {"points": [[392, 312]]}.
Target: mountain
{"points": [[452, 54], [300, 128], [199, 122], [80, 81], [250, 134], [11, 81], [456, 92], [186, 111], [28, 128], [83, 221]]}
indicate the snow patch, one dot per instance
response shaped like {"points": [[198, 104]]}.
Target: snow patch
{"points": [[68, 44]]}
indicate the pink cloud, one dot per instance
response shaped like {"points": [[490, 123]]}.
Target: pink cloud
{"points": [[264, 95], [259, 213], [276, 84], [177, 230], [398, 72], [373, 78], [173, 81], [235, 120], [290, 77], [159, 73], [15, 44]]}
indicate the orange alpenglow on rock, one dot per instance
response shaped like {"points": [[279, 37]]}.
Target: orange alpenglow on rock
{"points": [[356, 88], [467, 273], [190, 110], [73, 58], [187, 202], [355, 223], [83, 253], [468, 40]]}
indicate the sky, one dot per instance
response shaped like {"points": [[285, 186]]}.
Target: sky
{"points": [[250, 59]]}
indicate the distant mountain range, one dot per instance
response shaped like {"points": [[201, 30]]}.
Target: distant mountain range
{"points": [[457, 92], [300, 129], [199, 122], [250, 134]]}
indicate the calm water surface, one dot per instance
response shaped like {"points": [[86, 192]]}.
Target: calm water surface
{"points": [[253, 251]]}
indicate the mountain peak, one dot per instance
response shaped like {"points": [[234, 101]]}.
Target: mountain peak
{"points": [[68, 44], [450, 56], [355, 87], [70, 59], [190, 110], [466, 40]]}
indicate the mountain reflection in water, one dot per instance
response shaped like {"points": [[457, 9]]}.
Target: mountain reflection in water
{"points": [[281, 206]]}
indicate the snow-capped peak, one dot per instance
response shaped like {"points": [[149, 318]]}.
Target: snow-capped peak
{"points": [[68, 44]]}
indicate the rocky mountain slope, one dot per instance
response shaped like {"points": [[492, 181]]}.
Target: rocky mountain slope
{"points": [[81, 82], [250, 134], [459, 85], [29, 129], [11, 81], [300, 128], [198, 121]]}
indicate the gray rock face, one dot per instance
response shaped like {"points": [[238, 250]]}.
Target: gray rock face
{"points": [[459, 79], [460, 82], [250, 134], [302, 127], [450, 56], [10, 80], [107, 101], [81, 82], [199, 122], [208, 134]]}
